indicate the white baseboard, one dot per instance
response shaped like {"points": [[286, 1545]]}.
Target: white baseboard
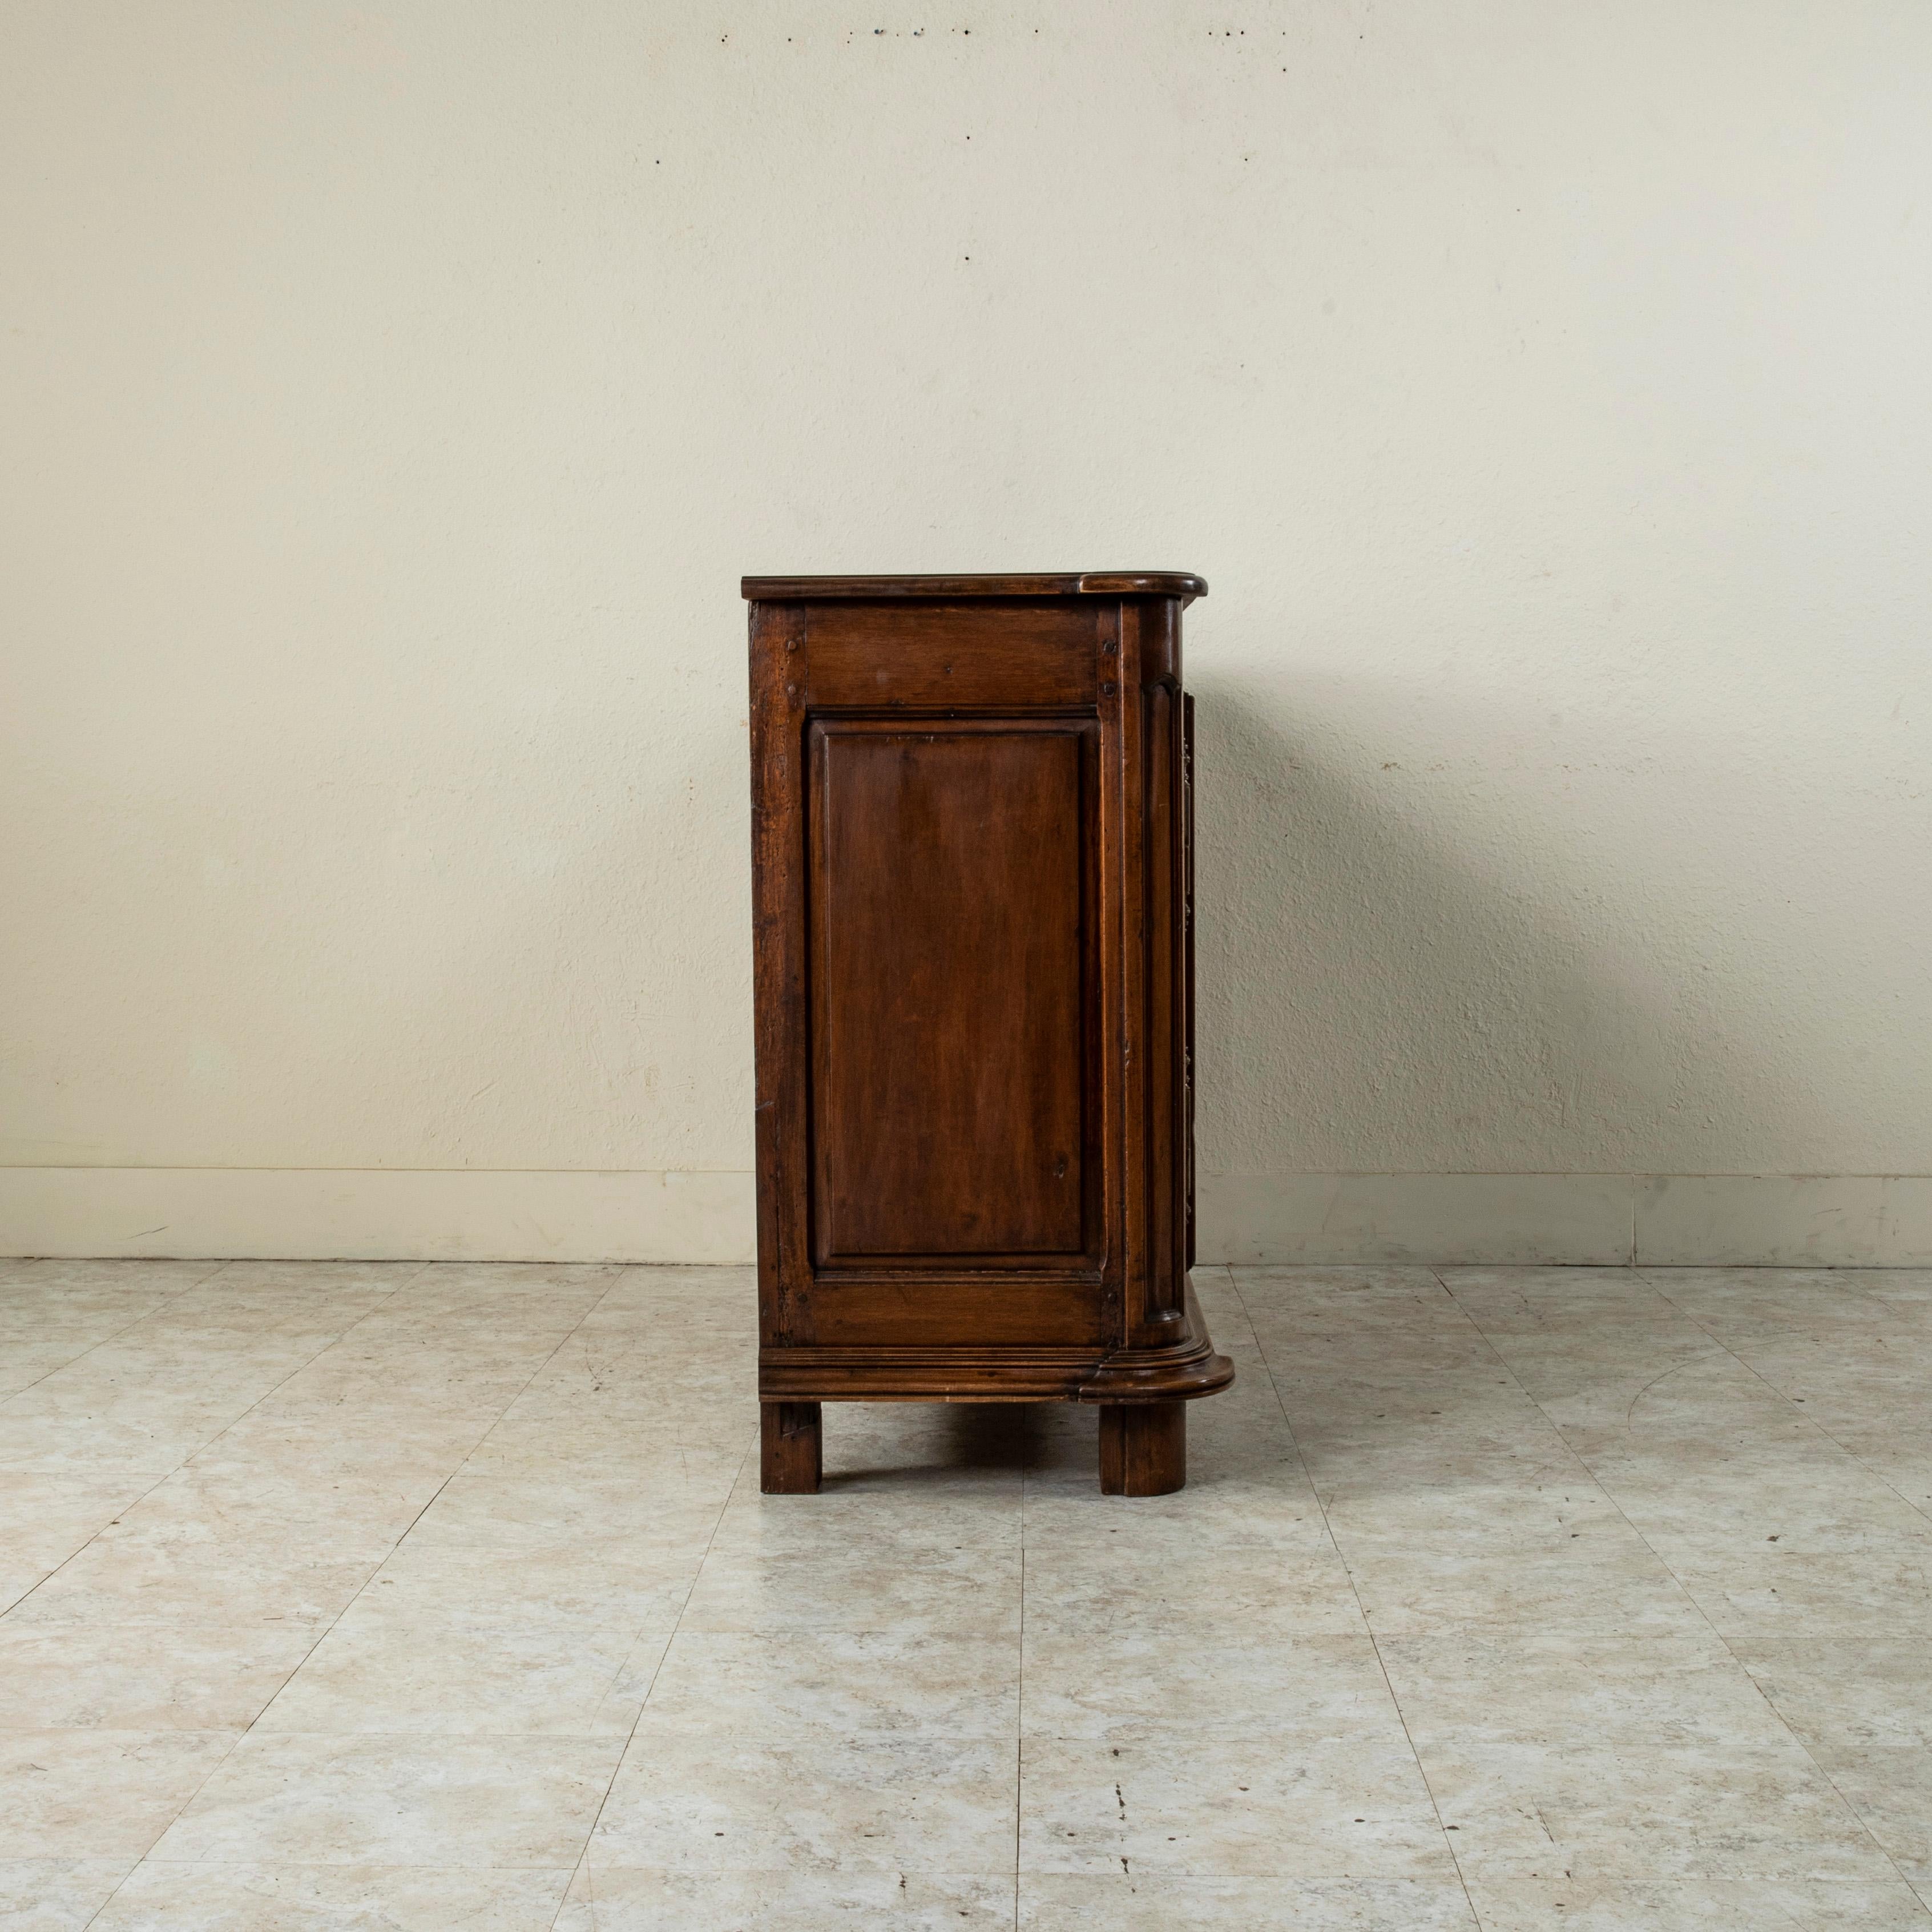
{"points": [[1683, 1220], [1355, 1218], [1500, 1219], [376, 1214], [1805, 1220]]}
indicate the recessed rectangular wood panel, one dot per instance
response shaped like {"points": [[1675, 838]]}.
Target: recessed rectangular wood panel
{"points": [[878, 657], [933, 1311], [951, 1061]]}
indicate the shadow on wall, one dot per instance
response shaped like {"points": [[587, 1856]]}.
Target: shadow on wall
{"points": [[1448, 964]]}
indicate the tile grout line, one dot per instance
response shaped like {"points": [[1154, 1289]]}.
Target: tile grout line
{"points": [[1395, 1702], [1810, 1420], [201, 1448], [470, 1453], [1877, 1476], [644, 1703], [334, 1342], [1689, 1594], [1019, 1701], [200, 1281], [247, 1730]]}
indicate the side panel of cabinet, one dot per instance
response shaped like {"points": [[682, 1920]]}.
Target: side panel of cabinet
{"points": [[954, 989], [971, 957]]}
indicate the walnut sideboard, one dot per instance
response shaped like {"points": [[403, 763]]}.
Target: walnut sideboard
{"points": [[972, 881]]}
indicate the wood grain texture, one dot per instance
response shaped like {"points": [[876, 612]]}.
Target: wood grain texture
{"points": [[791, 1452], [948, 656], [1143, 1449], [1175, 584], [777, 967], [950, 1063], [972, 843]]}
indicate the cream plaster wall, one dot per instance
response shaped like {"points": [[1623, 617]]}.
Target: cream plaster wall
{"points": [[395, 394]]}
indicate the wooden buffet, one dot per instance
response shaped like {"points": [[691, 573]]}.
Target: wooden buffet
{"points": [[972, 885]]}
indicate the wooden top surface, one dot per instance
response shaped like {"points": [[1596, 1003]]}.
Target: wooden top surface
{"points": [[1050, 584]]}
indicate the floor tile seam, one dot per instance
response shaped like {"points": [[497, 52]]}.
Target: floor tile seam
{"points": [[167, 1475], [325, 1347], [326, 1627], [189, 1288], [994, 1747], [979, 1872], [938, 1635], [327, 1865], [1809, 1420], [644, 1703], [158, 1482], [165, 1828], [463, 1463], [255, 1727], [1273, 1874], [1199, 1730], [235, 1743], [1402, 1716], [1690, 1596], [920, 1732], [1572, 1454], [1201, 1630], [1027, 1424]]}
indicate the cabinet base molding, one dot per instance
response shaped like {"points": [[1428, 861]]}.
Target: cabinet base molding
{"points": [[1141, 1393], [1179, 1371]]}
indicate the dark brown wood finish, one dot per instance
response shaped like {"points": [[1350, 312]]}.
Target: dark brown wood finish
{"points": [[1143, 1448], [1176, 584], [972, 835], [791, 1448], [949, 1068]]}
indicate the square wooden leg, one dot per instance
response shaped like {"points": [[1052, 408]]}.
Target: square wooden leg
{"points": [[791, 1457], [1143, 1448]]}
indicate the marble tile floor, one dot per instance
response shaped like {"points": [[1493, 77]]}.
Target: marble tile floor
{"points": [[346, 1596]]}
